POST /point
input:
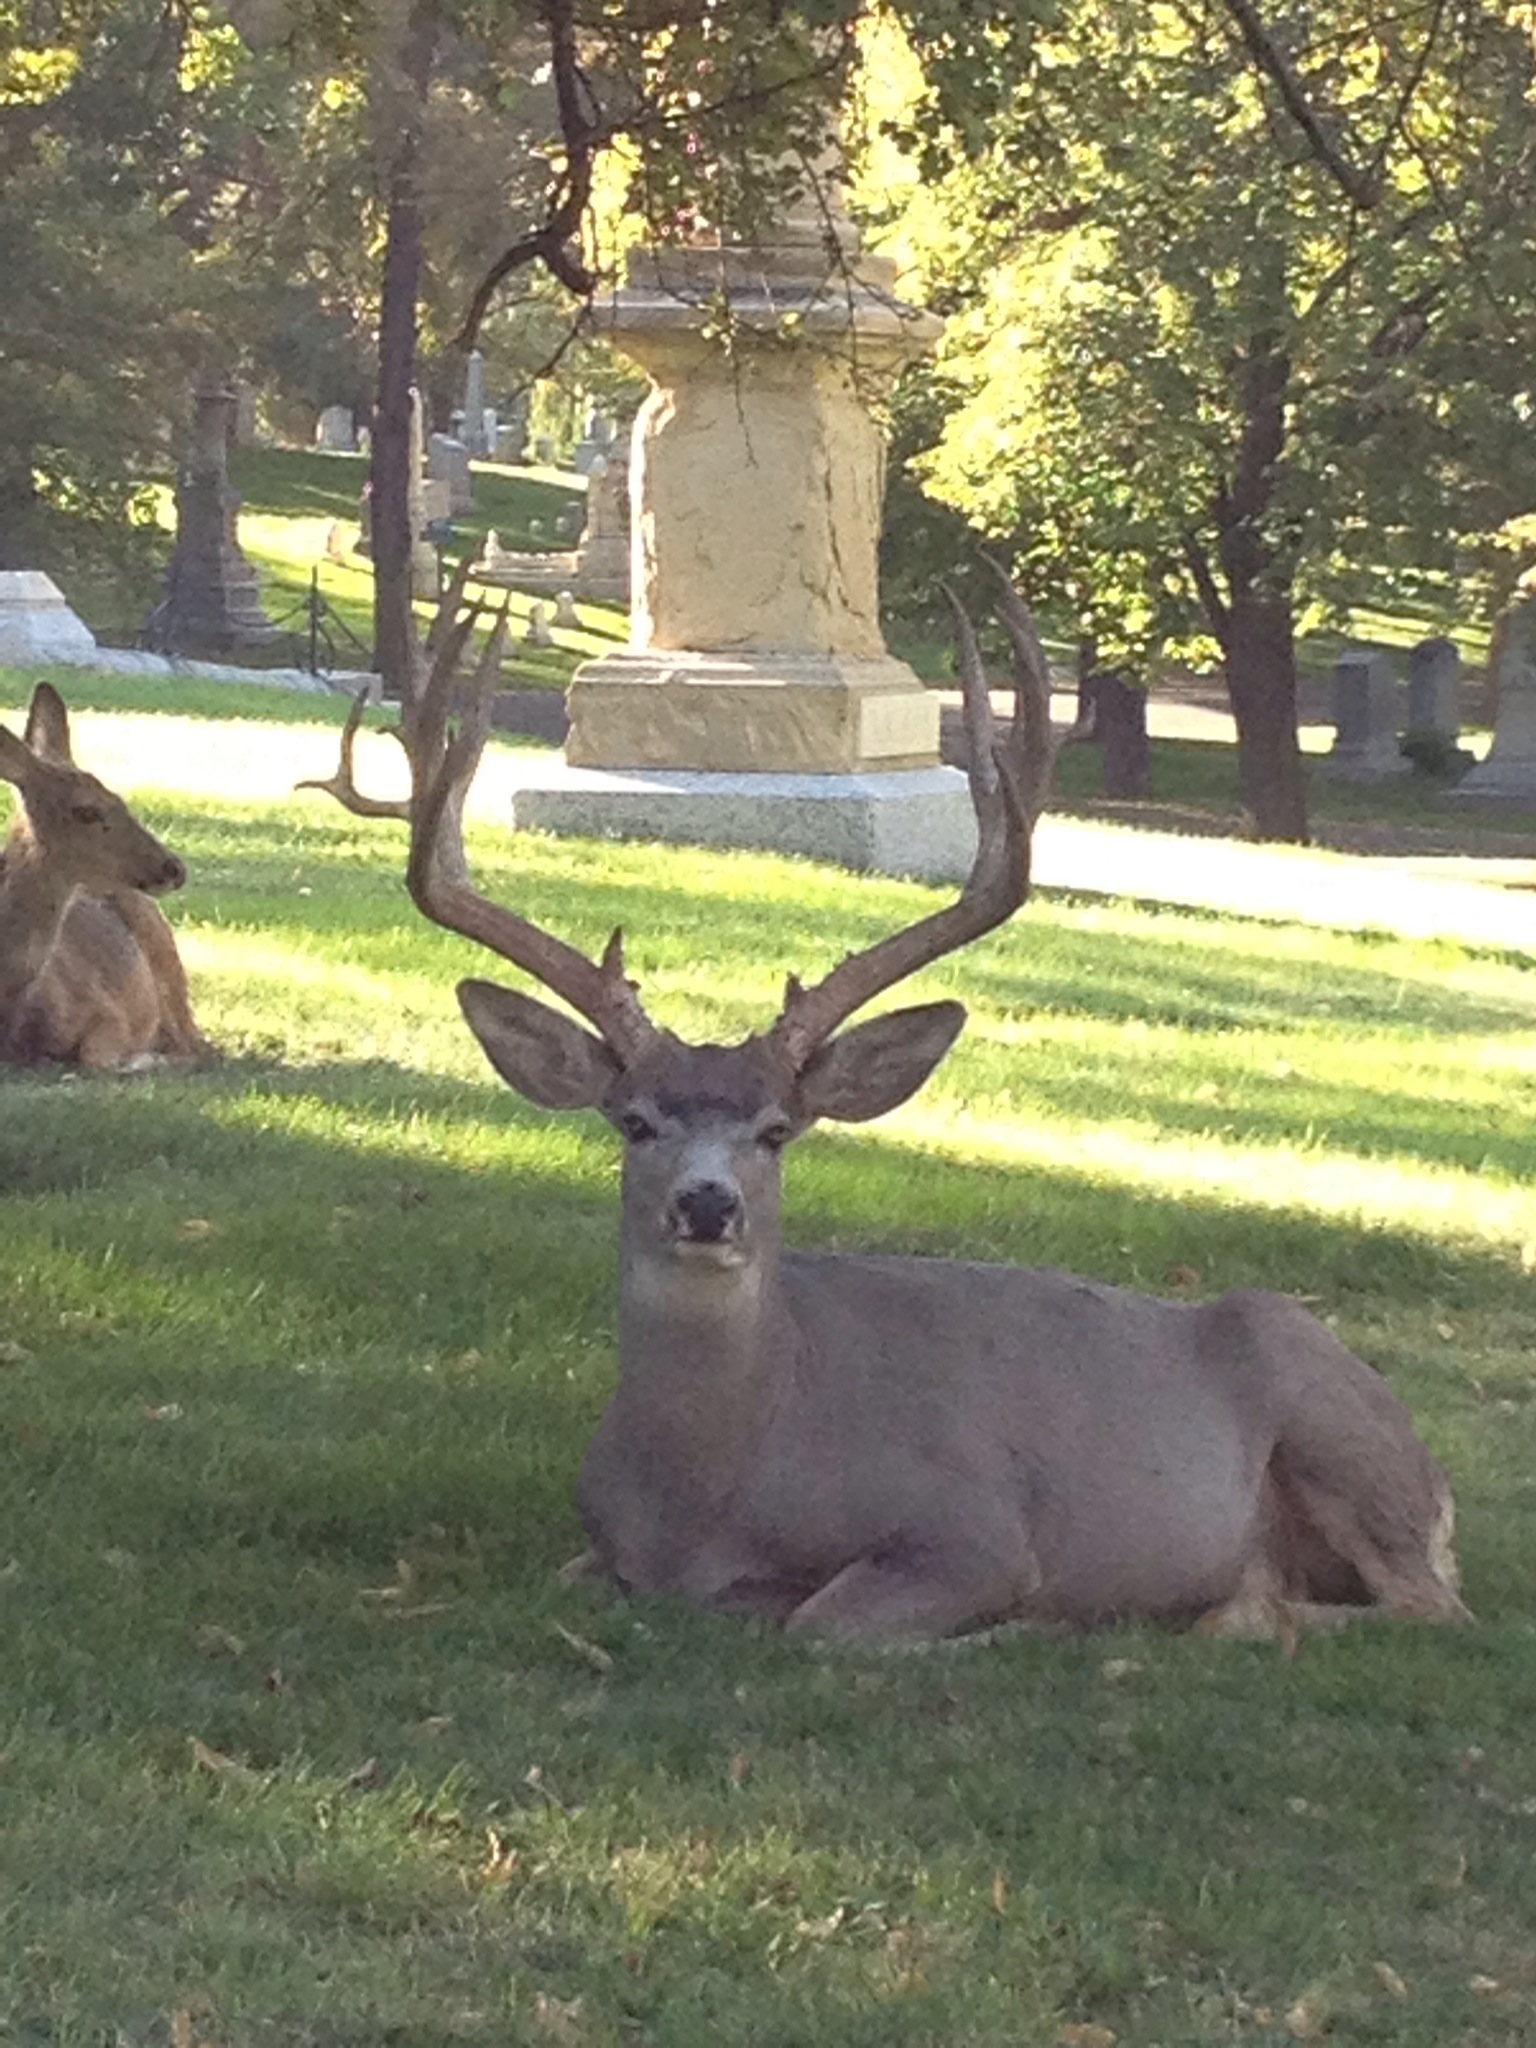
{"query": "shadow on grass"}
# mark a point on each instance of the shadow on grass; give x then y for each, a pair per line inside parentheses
(293, 1485)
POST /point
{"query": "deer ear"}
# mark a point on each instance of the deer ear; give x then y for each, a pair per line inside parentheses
(866, 1071)
(536, 1050)
(48, 726)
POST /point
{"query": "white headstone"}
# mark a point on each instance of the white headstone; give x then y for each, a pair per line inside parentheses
(566, 613)
(36, 624)
(473, 429)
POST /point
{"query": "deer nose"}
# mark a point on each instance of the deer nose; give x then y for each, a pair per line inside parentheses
(172, 875)
(706, 1212)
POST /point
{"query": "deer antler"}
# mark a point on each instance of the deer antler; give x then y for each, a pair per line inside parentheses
(444, 740)
(1009, 777)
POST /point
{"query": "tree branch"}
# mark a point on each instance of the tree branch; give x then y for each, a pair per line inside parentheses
(1356, 186)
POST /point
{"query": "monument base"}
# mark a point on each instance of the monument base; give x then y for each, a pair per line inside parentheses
(36, 624)
(917, 822)
(1511, 780)
(1508, 774)
(1381, 761)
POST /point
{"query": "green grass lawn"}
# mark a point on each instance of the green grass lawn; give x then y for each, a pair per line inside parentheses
(301, 1741)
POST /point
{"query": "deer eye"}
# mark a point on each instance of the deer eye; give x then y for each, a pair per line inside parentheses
(775, 1136)
(637, 1128)
(89, 814)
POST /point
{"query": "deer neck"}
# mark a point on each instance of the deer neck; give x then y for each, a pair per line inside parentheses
(33, 902)
(703, 1355)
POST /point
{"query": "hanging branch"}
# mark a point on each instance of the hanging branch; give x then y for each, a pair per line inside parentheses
(1360, 189)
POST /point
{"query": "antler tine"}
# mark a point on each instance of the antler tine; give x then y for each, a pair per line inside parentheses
(999, 878)
(438, 877)
(343, 784)
(1029, 751)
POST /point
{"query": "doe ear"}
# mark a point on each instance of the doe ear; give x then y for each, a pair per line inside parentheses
(536, 1050)
(48, 726)
(15, 757)
(867, 1070)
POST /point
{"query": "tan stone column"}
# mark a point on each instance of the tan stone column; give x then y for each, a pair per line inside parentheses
(757, 482)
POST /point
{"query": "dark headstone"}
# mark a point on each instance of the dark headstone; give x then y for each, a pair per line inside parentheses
(212, 604)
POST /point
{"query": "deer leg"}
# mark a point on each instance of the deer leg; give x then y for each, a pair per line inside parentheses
(1390, 1531)
(178, 1036)
(918, 1595)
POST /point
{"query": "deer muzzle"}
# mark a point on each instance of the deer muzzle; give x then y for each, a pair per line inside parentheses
(708, 1212)
(165, 878)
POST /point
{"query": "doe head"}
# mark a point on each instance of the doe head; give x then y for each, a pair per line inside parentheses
(69, 820)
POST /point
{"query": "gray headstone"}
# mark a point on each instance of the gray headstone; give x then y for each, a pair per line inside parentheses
(544, 448)
(538, 633)
(448, 462)
(334, 428)
(566, 613)
(1434, 688)
(212, 603)
(1365, 718)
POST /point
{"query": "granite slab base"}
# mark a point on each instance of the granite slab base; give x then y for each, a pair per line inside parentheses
(915, 822)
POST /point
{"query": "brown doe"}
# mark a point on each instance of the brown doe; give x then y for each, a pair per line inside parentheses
(908, 1447)
(89, 971)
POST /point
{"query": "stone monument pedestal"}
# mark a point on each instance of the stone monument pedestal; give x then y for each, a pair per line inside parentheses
(756, 705)
(1508, 774)
(36, 623)
(774, 714)
(918, 823)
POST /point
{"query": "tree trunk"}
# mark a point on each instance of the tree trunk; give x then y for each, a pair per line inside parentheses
(394, 625)
(1261, 682)
(1253, 623)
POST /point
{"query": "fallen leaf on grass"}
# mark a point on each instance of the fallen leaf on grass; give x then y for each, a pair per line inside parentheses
(1454, 1876)
(436, 1724)
(501, 1860)
(741, 1768)
(274, 1681)
(1389, 1980)
(558, 2019)
(185, 2031)
(216, 1761)
(999, 1891)
(162, 1411)
(1183, 1276)
(590, 1653)
(196, 1230)
(1115, 1668)
(1086, 2036)
(1484, 1987)
(120, 1560)
(366, 1778)
(1307, 2020)
(214, 1641)
(12, 1353)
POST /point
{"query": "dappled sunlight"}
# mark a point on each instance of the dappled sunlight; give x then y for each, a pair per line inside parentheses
(1400, 1193)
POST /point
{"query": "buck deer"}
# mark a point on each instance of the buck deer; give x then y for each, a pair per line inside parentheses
(89, 971)
(908, 1447)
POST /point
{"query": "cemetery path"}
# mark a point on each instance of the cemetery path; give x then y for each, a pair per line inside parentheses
(1472, 896)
